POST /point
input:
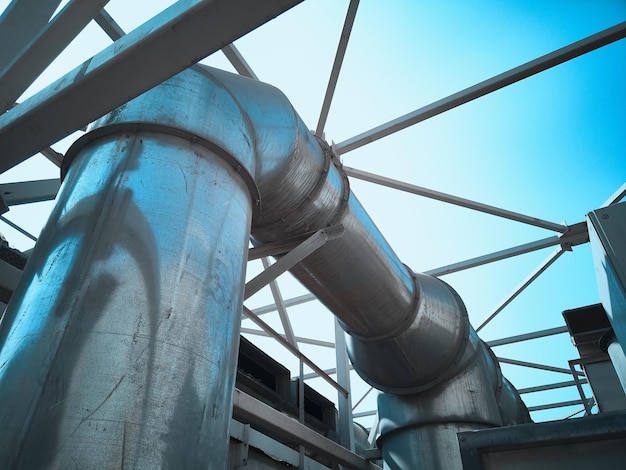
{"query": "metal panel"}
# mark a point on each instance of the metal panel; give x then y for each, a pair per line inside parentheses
(607, 232)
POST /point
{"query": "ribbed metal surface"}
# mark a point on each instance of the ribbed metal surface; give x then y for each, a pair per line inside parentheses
(120, 346)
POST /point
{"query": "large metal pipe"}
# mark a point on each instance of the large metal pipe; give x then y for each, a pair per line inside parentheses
(215, 139)
(120, 344)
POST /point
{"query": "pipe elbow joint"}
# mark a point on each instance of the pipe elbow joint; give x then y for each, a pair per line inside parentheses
(433, 347)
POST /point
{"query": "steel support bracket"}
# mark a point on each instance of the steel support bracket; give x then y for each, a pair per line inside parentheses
(293, 257)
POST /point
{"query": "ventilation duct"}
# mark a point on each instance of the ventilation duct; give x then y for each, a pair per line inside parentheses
(128, 314)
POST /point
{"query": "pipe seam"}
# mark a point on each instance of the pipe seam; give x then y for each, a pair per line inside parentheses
(135, 127)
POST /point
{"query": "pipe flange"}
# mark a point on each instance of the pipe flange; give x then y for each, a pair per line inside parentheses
(345, 182)
(136, 127)
(402, 326)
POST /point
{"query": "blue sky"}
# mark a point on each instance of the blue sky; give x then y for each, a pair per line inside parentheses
(552, 146)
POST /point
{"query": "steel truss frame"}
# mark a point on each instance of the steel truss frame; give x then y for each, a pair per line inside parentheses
(178, 38)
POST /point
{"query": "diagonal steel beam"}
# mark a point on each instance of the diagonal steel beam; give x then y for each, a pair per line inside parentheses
(109, 25)
(170, 42)
(24, 69)
(334, 74)
(20, 23)
(488, 86)
(301, 299)
(455, 200)
(236, 59)
(534, 275)
(18, 228)
(616, 197)
(552, 386)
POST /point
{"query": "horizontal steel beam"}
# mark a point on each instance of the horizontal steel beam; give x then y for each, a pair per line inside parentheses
(170, 42)
(495, 256)
(269, 447)
(334, 74)
(276, 423)
(52, 155)
(534, 365)
(271, 249)
(488, 86)
(299, 339)
(527, 336)
(552, 386)
(301, 299)
(28, 192)
(561, 404)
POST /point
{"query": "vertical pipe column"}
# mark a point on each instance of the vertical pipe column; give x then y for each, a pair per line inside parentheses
(119, 346)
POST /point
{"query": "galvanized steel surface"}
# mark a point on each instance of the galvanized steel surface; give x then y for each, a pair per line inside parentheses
(120, 346)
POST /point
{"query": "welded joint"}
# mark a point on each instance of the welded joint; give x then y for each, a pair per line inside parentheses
(274, 334)
(241, 448)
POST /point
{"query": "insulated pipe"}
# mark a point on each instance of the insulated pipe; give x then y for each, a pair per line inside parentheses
(120, 344)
